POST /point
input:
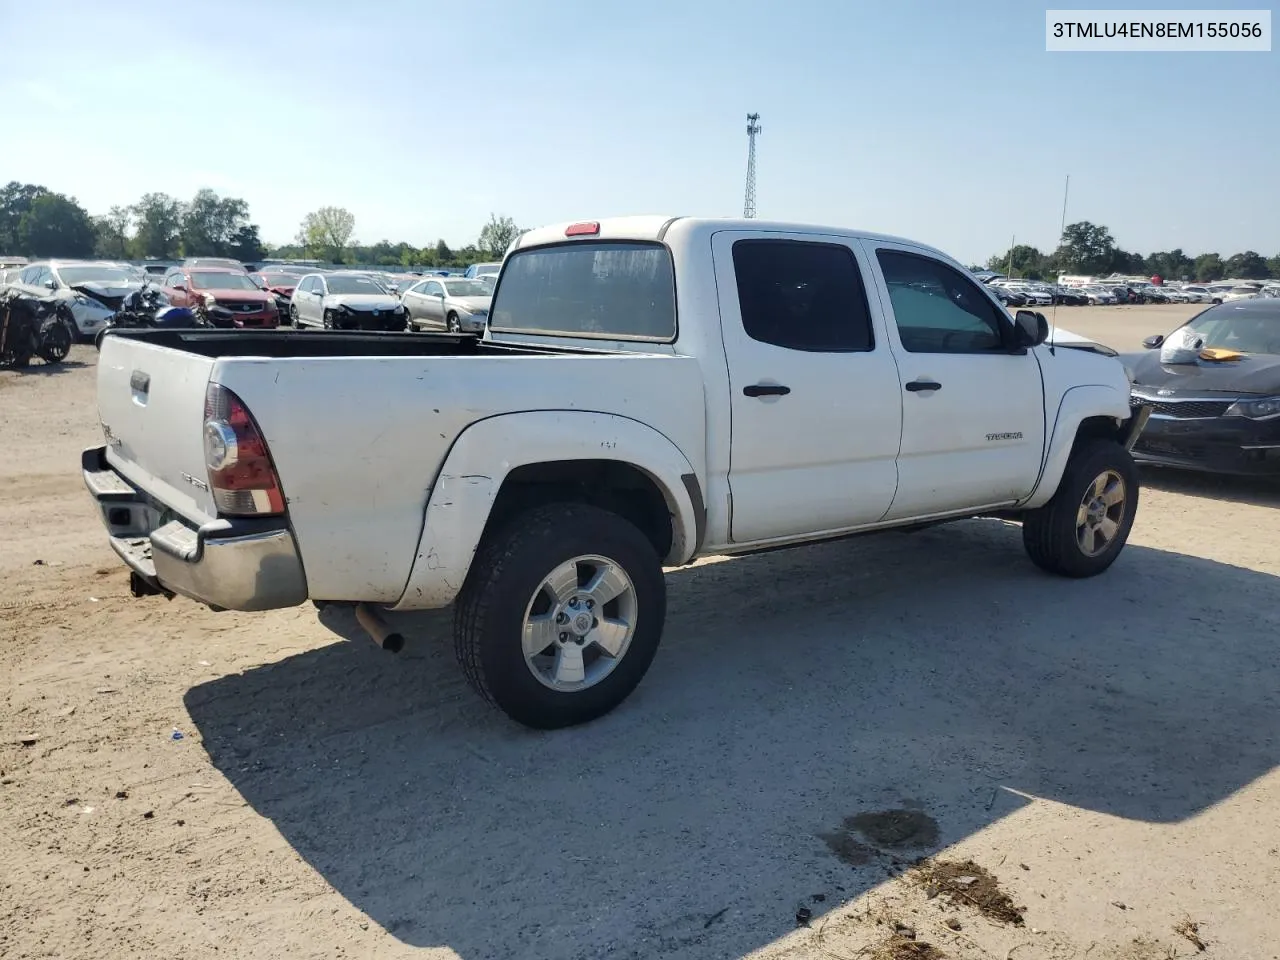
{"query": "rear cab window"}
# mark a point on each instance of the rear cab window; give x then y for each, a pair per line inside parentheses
(597, 289)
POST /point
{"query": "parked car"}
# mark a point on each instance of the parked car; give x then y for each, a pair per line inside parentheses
(202, 288)
(452, 303)
(279, 285)
(1219, 415)
(483, 270)
(538, 479)
(1008, 297)
(1240, 293)
(1100, 295)
(345, 301)
(93, 290)
(222, 263)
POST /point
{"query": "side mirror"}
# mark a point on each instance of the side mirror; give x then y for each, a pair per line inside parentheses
(1152, 342)
(51, 284)
(1031, 328)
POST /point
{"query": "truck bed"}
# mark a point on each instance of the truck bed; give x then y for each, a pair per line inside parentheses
(285, 342)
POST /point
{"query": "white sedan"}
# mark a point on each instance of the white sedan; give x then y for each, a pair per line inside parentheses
(345, 301)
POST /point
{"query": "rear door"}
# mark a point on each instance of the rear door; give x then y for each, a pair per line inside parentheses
(972, 409)
(151, 406)
(814, 395)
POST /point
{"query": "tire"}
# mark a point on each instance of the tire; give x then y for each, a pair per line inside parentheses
(294, 319)
(97, 338)
(55, 341)
(327, 323)
(451, 323)
(1053, 535)
(507, 576)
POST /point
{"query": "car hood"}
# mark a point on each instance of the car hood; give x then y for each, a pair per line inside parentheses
(1254, 373)
(362, 301)
(108, 294)
(281, 289)
(472, 304)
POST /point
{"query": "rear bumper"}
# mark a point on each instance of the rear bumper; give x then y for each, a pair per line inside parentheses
(226, 564)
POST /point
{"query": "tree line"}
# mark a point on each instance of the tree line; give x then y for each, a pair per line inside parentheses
(36, 222)
(1088, 248)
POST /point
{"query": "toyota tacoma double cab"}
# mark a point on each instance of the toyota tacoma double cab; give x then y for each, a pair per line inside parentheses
(647, 390)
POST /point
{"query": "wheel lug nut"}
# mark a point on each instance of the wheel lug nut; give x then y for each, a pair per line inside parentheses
(564, 637)
(590, 604)
(561, 618)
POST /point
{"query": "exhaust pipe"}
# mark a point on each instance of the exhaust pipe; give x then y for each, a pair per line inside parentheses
(379, 630)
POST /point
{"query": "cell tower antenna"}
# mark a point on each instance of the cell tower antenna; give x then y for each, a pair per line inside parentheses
(753, 128)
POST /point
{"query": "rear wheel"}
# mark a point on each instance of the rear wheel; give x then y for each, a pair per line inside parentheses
(561, 615)
(1083, 528)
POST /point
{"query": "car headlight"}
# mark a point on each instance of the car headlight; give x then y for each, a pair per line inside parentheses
(210, 300)
(399, 308)
(344, 308)
(1264, 409)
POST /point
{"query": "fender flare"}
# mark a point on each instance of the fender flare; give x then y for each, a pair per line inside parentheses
(467, 486)
(1077, 405)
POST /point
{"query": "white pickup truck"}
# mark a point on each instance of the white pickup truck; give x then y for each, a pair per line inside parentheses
(649, 390)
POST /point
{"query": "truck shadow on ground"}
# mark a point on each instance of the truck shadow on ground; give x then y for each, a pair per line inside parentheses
(793, 690)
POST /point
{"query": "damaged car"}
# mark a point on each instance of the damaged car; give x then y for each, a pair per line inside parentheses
(93, 291)
(1214, 388)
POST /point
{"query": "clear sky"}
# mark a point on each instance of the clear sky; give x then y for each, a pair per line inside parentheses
(945, 122)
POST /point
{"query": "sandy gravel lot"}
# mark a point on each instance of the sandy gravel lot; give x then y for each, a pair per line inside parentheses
(815, 721)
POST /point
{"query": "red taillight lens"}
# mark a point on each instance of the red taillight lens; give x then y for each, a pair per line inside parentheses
(241, 475)
(589, 229)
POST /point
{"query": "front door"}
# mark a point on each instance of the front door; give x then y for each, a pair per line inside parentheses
(814, 395)
(972, 408)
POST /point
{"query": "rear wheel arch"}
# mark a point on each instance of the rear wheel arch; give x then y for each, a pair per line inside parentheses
(514, 463)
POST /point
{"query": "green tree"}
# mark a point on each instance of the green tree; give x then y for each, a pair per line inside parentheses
(15, 200)
(211, 225)
(497, 235)
(1209, 267)
(56, 226)
(112, 230)
(245, 244)
(1172, 265)
(1124, 262)
(159, 226)
(327, 232)
(1021, 261)
(444, 256)
(1246, 266)
(1085, 248)
(1273, 267)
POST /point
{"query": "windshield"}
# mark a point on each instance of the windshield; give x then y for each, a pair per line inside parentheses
(209, 280)
(466, 288)
(623, 291)
(1232, 327)
(351, 284)
(74, 275)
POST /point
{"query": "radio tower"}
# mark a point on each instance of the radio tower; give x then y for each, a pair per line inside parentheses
(753, 127)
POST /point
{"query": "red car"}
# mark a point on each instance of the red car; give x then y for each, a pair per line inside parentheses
(202, 287)
(279, 285)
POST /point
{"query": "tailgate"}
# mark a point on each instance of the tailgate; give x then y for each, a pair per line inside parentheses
(151, 405)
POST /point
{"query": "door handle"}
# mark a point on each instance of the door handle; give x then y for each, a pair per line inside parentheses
(765, 390)
(915, 386)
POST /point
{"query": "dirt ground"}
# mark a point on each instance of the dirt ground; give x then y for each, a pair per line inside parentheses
(1095, 759)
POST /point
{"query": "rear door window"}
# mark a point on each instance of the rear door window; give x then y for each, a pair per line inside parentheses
(597, 289)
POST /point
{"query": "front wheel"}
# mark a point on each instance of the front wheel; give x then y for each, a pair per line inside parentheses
(294, 319)
(561, 615)
(453, 324)
(1083, 528)
(55, 341)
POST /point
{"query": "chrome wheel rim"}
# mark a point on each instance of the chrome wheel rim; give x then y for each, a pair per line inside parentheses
(1100, 513)
(579, 623)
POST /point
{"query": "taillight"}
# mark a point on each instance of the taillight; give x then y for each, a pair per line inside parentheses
(241, 475)
(589, 228)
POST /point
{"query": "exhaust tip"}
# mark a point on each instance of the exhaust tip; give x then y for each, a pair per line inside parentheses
(393, 643)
